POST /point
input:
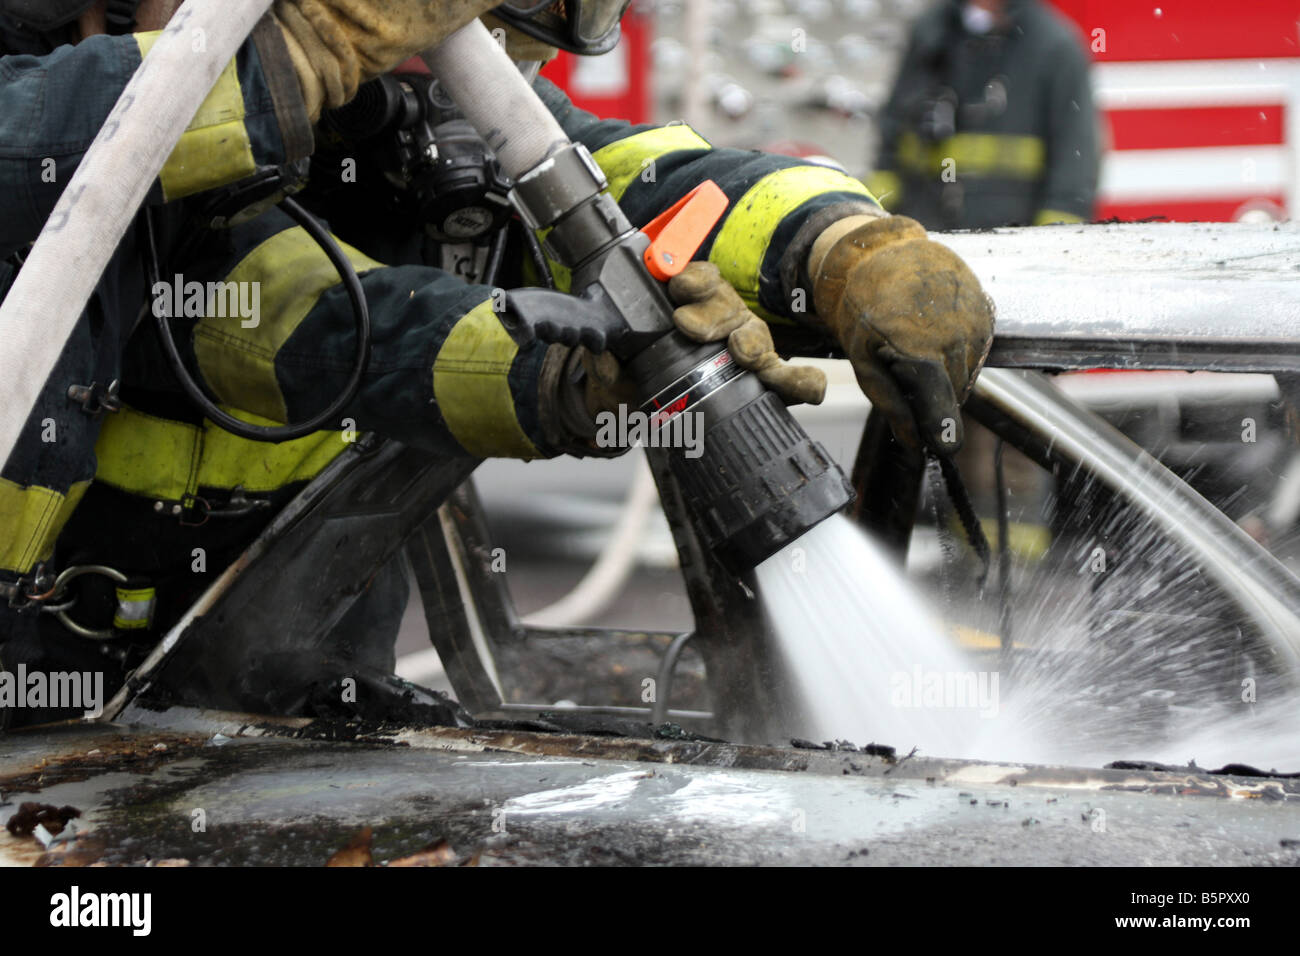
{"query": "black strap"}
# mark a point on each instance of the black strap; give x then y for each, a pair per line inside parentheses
(121, 16)
(44, 15)
(36, 27)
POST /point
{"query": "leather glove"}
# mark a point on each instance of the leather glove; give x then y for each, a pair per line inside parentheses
(910, 316)
(710, 310)
(606, 385)
(336, 45)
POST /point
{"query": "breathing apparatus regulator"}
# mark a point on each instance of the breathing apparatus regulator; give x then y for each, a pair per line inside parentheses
(414, 134)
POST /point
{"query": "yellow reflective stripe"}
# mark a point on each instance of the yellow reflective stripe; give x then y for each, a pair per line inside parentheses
(1047, 217)
(472, 389)
(229, 461)
(215, 148)
(31, 518)
(134, 608)
(912, 154)
(153, 457)
(170, 461)
(975, 154)
(626, 159)
(290, 273)
(987, 154)
(747, 231)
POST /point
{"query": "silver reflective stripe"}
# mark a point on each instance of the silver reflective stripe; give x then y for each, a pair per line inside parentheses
(134, 608)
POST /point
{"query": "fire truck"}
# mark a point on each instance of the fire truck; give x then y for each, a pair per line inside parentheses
(1201, 104)
(615, 85)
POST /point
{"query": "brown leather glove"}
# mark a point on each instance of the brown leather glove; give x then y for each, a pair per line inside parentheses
(607, 386)
(710, 310)
(336, 45)
(910, 316)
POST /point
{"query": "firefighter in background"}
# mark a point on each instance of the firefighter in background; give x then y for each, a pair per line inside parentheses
(139, 481)
(991, 120)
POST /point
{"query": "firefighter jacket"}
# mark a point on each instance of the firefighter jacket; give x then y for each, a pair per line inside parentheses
(990, 129)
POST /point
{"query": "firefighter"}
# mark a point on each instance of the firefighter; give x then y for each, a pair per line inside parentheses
(990, 122)
(137, 481)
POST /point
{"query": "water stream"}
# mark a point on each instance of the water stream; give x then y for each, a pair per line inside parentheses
(868, 660)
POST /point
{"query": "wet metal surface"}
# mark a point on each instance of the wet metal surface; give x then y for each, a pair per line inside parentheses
(224, 789)
(1142, 295)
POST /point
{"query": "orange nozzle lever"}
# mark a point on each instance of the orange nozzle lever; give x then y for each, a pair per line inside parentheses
(677, 232)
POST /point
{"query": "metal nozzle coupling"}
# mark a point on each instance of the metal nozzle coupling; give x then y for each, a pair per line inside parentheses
(760, 481)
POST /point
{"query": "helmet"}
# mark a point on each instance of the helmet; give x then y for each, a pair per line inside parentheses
(587, 27)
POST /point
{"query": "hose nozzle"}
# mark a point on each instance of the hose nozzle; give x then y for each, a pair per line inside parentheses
(758, 481)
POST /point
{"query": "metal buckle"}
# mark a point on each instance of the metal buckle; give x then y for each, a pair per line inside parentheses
(60, 610)
(29, 592)
(95, 399)
(237, 506)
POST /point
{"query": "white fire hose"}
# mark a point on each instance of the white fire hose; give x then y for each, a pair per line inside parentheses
(101, 200)
(490, 91)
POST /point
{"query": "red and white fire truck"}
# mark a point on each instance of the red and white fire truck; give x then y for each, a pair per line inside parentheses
(1201, 100)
